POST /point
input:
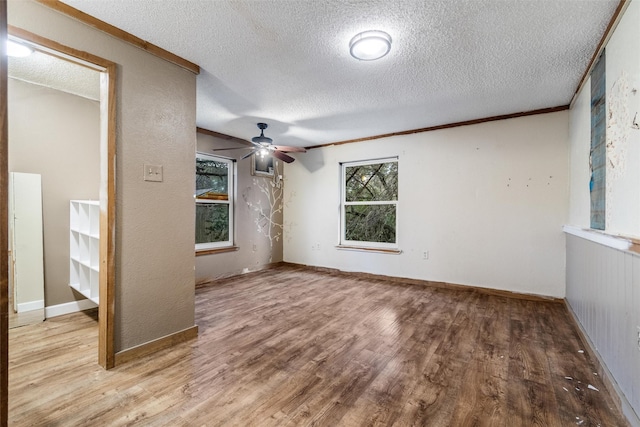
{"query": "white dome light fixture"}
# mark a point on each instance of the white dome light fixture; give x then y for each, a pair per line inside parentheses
(18, 50)
(370, 45)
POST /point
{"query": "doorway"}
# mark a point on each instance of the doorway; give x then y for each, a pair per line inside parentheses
(105, 263)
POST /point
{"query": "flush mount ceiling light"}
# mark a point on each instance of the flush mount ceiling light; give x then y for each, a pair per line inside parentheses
(370, 45)
(18, 50)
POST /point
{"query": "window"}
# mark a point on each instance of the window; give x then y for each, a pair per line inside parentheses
(214, 202)
(369, 203)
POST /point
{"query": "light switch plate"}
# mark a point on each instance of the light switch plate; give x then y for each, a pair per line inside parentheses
(153, 173)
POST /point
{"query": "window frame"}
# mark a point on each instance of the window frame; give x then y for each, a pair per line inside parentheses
(231, 177)
(343, 242)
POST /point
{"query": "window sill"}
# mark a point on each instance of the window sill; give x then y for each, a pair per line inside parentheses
(615, 242)
(368, 249)
(200, 252)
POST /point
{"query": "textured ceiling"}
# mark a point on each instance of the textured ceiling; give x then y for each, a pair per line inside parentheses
(46, 70)
(287, 62)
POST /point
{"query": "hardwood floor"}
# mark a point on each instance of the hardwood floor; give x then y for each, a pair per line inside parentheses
(290, 346)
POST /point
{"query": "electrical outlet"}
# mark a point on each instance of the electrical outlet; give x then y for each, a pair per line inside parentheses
(425, 255)
(639, 338)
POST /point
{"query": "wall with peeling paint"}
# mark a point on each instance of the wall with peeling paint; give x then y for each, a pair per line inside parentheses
(603, 283)
(623, 135)
(487, 202)
(623, 140)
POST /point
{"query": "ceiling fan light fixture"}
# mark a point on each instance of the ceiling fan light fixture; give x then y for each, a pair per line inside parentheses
(370, 45)
(261, 139)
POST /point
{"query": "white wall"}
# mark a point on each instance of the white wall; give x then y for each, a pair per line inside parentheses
(603, 283)
(580, 146)
(156, 103)
(487, 201)
(256, 247)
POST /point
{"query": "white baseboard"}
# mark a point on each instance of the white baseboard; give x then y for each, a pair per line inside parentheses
(69, 307)
(31, 305)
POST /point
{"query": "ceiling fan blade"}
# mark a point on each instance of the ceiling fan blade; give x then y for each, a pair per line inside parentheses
(288, 148)
(282, 156)
(249, 154)
(232, 148)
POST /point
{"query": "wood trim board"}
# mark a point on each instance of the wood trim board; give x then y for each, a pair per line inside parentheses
(120, 34)
(106, 308)
(156, 345)
(4, 224)
(613, 23)
(447, 126)
(222, 136)
(420, 282)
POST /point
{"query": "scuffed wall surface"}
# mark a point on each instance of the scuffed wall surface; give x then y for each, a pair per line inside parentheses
(259, 223)
(486, 201)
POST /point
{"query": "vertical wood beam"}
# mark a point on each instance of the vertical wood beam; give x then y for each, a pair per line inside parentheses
(4, 223)
(106, 308)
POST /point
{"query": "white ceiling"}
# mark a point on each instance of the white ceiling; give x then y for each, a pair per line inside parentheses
(47, 70)
(287, 62)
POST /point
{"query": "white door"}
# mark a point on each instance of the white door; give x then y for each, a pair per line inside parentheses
(25, 241)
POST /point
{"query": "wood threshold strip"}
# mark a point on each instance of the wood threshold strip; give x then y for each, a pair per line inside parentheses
(120, 34)
(613, 23)
(156, 345)
(429, 283)
(222, 136)
(448, 126)
(216, 250)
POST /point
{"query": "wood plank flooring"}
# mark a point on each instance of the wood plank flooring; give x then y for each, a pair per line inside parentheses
(295, 347)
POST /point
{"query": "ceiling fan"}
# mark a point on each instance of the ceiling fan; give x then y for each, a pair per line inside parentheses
(263, 146)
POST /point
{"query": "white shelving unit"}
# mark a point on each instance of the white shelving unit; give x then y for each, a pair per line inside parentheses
(84, 247)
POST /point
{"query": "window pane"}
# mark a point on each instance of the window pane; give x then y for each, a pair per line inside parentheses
(375, 182)
(370, 223)
(212, 222)
(212, 179)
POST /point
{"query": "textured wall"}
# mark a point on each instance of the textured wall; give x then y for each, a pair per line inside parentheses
(255, 247)
(154, 221)
(487, 201)
(56, 135)
(603, 289)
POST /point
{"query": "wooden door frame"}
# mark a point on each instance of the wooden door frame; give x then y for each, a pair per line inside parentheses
(107, 69)
(4, 224)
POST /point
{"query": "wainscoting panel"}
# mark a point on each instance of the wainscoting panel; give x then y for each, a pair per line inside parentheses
(603, 290)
